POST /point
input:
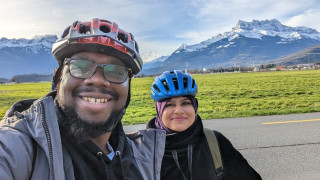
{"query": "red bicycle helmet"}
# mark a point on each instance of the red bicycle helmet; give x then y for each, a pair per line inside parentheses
(102, 36)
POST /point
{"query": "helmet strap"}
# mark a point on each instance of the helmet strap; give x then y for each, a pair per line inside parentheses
(56, 77)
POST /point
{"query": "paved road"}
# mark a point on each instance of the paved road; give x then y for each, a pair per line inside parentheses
(286, 151)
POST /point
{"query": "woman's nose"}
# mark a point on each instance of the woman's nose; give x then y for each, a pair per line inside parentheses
(178, 109)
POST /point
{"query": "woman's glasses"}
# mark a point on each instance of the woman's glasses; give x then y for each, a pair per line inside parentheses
(83, 68)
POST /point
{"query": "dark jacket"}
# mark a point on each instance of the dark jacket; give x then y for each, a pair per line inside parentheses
(202, 165)
(30, 146)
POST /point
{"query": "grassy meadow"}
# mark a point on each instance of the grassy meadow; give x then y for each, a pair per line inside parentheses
(220, 95)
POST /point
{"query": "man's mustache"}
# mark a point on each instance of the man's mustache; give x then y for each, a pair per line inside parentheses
(115, 95)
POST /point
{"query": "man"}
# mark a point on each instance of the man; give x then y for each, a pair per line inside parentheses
(75, 132)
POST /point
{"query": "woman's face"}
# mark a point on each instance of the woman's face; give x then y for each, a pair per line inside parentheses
(178, 114)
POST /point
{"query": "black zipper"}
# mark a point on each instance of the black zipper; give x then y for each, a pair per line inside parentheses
(46, 130)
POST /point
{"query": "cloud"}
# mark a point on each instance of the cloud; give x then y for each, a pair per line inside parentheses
(309, 18)
(155, 49)
(160, 26)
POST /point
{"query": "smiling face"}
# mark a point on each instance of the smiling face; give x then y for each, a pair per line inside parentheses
(178, 114)
(93, 99)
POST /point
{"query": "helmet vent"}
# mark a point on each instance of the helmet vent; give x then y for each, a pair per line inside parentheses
(165, 84)
(105, 29)
(156, 88)
(83, 29)
(185, 83)
(193, 83)
(175, 83)
(122, 37)
(132, 38)
(136, 46)
(65, 32)
(74, 24)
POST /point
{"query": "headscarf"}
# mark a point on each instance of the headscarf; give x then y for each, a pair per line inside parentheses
(160, 105)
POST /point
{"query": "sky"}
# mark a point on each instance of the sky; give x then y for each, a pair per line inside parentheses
(159, 26)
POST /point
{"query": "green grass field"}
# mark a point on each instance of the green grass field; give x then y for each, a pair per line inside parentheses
(219, 95)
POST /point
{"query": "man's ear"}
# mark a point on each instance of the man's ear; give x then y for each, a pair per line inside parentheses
(57, 73)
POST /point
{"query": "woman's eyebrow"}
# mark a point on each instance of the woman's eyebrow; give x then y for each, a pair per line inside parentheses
(185, 99)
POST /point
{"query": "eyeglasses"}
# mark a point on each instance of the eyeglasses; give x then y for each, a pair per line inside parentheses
(83, 68)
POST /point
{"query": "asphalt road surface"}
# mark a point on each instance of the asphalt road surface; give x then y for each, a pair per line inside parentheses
(284, 147)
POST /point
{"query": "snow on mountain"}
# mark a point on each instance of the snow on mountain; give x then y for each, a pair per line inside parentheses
(154, 62)
(257, 29)
(34, 45)
(160, 59)
(26, 56)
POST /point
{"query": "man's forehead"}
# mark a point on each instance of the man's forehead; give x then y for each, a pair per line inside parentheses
(99, 58)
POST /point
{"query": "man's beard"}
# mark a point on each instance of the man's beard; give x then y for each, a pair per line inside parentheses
(82, 131)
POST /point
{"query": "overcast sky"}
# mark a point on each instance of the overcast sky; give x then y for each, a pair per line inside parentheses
(159, 26)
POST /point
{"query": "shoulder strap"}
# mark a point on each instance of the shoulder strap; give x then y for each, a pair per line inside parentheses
(215, 151)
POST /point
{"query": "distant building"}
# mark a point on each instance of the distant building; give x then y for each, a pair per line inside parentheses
(204, 69)
(279, 68)
(256, 69)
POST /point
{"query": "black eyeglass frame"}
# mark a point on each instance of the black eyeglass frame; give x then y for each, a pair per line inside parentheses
(128, 73)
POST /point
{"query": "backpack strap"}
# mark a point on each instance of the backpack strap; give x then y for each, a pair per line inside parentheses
(215, 151)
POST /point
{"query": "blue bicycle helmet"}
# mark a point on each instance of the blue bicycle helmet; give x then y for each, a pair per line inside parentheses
(172, 84)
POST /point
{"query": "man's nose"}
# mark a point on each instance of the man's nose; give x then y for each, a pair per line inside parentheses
(98, 78)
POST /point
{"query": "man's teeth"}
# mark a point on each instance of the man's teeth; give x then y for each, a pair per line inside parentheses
(95, 100)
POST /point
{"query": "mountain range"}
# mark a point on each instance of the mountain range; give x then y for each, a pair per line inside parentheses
(247, 44)
(26, 56)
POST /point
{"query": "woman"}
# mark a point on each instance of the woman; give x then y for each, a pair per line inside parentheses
(187, 153)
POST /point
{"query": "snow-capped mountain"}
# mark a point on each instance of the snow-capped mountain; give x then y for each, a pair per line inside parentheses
(26, 56)
(258, 29)
(35, 45)
(246, 44)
